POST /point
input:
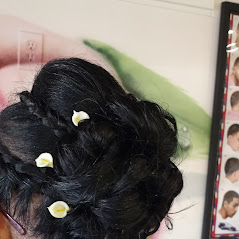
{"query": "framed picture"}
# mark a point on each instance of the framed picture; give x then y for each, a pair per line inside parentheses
(221, 217)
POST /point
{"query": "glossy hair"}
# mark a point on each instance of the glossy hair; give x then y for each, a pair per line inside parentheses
(113, 170)
(231, 166)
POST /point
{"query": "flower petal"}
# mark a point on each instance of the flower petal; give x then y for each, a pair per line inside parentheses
(44, 160)
(59, 209)
(79, 116)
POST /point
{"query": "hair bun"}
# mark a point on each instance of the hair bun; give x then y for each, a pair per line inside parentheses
(114, 170)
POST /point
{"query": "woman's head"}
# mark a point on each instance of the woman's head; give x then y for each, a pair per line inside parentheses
(113, 170)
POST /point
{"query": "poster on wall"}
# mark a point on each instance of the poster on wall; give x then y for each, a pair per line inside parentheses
(28, 43)
(221, 209)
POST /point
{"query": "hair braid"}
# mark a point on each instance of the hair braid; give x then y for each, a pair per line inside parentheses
(48, 116)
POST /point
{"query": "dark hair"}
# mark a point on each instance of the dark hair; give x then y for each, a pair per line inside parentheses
(114, 170)
(234, 98)
(231, 166)
(229, 196)
(233, 129)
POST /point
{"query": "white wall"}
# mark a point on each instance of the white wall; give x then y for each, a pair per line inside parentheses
(178, 42)
(208, 4)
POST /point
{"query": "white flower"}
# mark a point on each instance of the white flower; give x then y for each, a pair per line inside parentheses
(79, 116)
(59, 209)
(44, 160)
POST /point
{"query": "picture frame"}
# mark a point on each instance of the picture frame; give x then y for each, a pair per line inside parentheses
(222, 191)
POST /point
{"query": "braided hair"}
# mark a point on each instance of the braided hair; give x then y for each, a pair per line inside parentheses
(114, 170)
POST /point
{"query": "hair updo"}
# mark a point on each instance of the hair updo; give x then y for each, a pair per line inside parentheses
(114, 170)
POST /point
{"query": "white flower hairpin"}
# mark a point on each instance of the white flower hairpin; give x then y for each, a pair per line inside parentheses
(79, 117)
(59, 209)
(44, 160)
